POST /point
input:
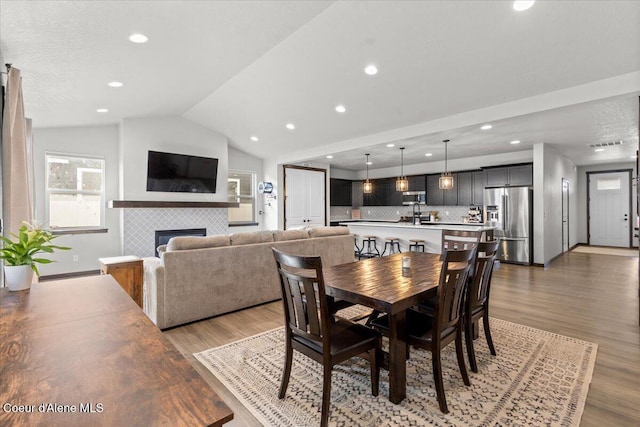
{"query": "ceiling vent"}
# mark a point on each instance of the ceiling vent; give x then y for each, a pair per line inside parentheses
(606, 144)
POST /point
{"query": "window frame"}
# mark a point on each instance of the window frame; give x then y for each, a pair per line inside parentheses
(252, 197)
(101, 228)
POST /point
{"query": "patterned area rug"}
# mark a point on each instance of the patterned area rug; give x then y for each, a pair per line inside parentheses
(538, 378)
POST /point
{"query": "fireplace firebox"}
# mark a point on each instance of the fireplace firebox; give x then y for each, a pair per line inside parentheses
(163, 236)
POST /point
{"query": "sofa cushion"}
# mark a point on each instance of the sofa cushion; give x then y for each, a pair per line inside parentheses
(251, 237)
(282, 235)
(193, 242)
(161, 249)
(328, 231)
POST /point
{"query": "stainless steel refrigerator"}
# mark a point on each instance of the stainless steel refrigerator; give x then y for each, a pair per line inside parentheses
(510, 211)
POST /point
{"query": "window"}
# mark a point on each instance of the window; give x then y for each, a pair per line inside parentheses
(75, 191)
(607, 183)
(240, 187)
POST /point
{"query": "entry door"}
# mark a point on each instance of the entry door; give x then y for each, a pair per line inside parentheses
(305, 197)
(609, 206)
(565, 215)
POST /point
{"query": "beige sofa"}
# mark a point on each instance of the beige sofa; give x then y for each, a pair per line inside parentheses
(200, 277)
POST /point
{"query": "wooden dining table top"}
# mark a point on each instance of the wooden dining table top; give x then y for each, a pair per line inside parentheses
(382, 283)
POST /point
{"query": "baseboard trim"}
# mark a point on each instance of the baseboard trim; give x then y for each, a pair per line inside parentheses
(69, 275)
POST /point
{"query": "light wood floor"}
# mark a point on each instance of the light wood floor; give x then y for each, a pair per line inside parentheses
(592, 297)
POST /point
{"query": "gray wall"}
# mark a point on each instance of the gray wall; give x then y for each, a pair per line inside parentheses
(582, 195)
(549, 168)
(93, 141)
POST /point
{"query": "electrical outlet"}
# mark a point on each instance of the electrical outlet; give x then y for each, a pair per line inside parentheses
(397, 212)
(368, 212)
(446, 213)
(75, 258)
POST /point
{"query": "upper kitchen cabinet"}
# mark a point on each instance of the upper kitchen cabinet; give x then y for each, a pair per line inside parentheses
(417, 182)
(478, 188)
(379, 195)
(435, 196)
(520, 175)
(464, 183)
(340, 192)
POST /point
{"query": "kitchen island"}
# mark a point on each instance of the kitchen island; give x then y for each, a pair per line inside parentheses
(430, 233)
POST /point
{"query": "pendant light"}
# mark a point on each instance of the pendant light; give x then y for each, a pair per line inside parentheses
(402, 184)
(367, 186)
(446, 179)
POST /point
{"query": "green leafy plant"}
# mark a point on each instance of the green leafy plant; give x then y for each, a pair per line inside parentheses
(31, 241)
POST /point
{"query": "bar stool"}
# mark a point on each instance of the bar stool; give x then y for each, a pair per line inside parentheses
(416, 244)
(391, 243)
(369, 241)
(358, 249)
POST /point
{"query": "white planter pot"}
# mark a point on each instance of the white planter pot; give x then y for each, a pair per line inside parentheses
(18, 277)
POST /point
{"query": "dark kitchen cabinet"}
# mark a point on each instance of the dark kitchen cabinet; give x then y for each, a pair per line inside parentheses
(379, 195)
(464, 183)
(340, 192)
(435, 196)
(519, 175)
(478, 188)
(394, 197)
(417, 182)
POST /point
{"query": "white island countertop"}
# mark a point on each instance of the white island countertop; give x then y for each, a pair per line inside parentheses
(430, 226)
(405, 231)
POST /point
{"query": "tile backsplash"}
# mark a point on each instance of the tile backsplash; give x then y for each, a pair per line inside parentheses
(445, 213)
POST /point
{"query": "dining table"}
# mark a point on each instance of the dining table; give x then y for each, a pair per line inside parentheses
(390, 284)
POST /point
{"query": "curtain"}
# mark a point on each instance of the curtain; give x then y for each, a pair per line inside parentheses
(17, 170)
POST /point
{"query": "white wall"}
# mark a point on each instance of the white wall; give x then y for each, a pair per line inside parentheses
(172, 135)
(582, 195)
(245, 162)
(550, 167)
(93, 141)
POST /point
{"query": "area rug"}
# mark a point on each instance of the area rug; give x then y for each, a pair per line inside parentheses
(633, 252)
(538, 378)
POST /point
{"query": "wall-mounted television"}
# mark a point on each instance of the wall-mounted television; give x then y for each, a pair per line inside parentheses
(168, 172)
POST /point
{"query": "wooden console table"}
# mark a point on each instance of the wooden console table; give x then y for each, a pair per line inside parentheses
(84, 350)
(128, 272)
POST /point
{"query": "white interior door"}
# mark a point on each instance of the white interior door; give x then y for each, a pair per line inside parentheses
(609, 203)
(305, 197)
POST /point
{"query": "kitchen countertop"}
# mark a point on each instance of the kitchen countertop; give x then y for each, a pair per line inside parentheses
(427, 226)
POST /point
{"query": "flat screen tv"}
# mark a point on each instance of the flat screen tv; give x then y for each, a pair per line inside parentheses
(168, 172)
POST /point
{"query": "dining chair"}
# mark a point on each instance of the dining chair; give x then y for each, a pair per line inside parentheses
(435, 332)
(477, 298)
(312, 330)
(459, 239)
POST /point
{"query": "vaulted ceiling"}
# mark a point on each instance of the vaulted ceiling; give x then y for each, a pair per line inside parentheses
(562, 73)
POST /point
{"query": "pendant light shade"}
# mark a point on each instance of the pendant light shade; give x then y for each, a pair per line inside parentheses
(367, 186)
(402, 184)
(446, 179)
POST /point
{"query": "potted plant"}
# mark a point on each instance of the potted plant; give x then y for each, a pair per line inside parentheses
(20, 256)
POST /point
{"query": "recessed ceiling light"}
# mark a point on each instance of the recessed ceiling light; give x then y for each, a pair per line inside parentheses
(515, 142)
(341, 109)
(291, 126)
(254, 138)
(371, 70)
(102, 110)
(369, 163)
(428, 154)
(115, 84)
(391, 145)
(521, 5)
(634, 156)
(138, 38)
(486, 127)
(597, 150)
(329, 156)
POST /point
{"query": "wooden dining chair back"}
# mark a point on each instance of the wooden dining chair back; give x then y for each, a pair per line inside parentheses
(311, 329)
(477, 299)
(443, 326)
(459, 239)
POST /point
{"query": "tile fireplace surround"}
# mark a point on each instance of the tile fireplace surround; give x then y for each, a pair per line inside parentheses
(140, 224)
